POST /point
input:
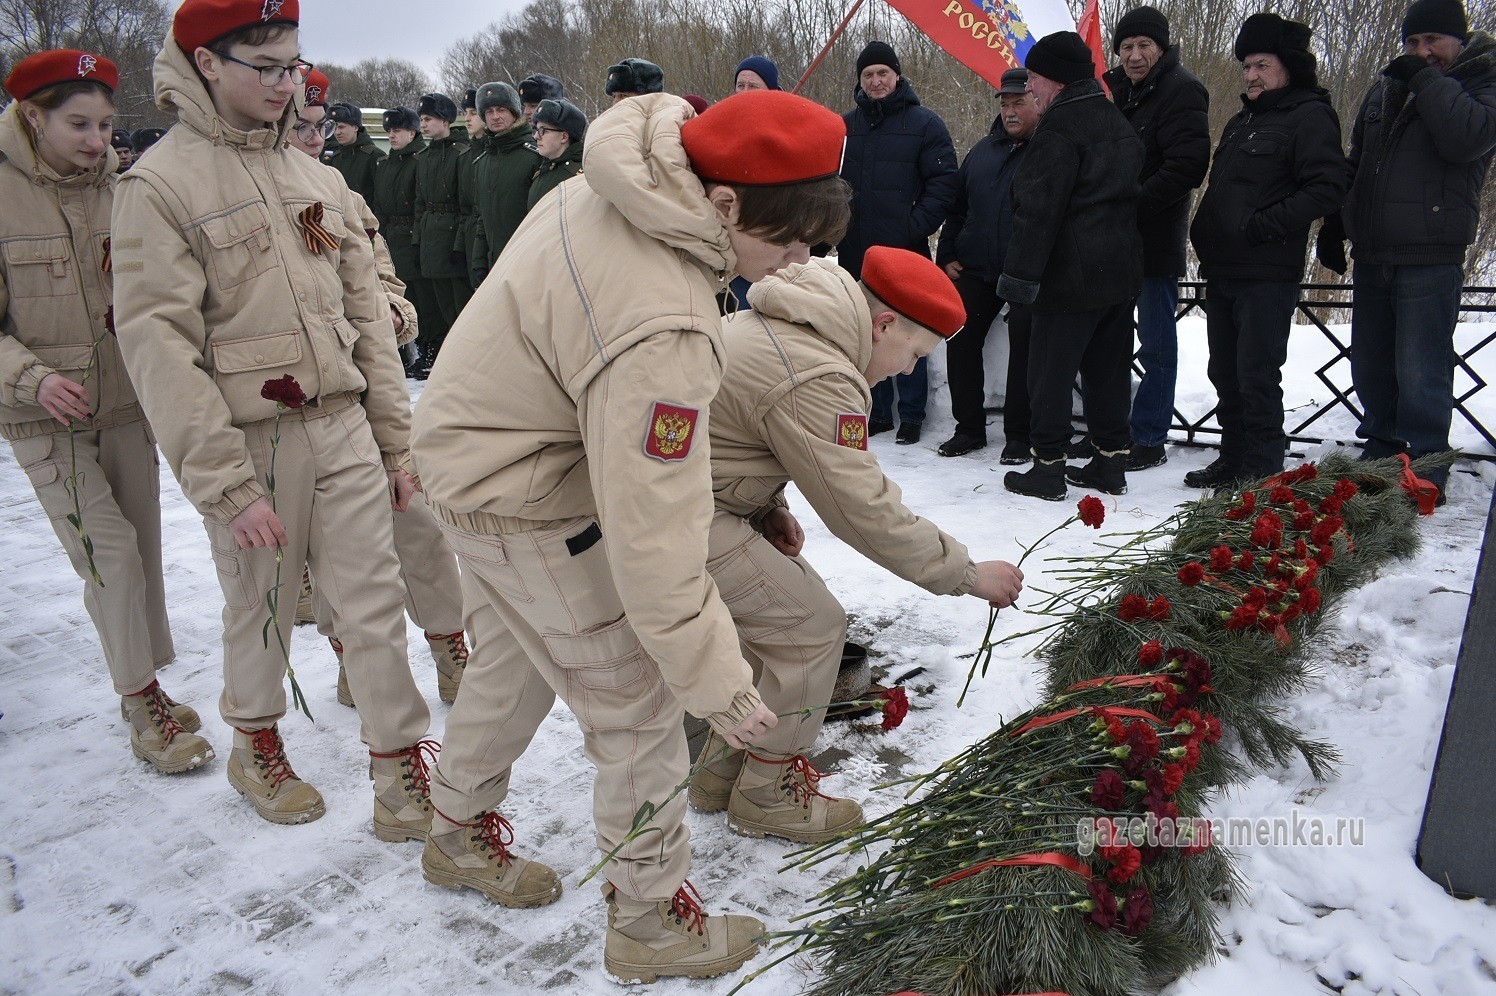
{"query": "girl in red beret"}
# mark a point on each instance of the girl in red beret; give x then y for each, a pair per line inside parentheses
(66, 404)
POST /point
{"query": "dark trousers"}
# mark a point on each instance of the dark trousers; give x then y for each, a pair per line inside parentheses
(1403, 357)
(912, 391)
(1247, 324)
(963, 356)
(433, 304)
(1097, 345)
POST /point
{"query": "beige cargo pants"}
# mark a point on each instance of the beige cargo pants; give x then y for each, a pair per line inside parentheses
(546, 620)
(119, 485)
(790, 626)
(433, 592)
(333, 498)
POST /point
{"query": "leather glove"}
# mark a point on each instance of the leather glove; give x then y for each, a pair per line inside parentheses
(1329, 247)
(1405, 67)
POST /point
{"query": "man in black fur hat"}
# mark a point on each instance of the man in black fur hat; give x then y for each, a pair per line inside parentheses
(1277, 169)
(1420, 148)
(537, 87)
(437, 235)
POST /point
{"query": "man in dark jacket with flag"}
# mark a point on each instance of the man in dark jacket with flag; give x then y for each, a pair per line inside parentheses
(902, 167)
(1076, 257)
(973, 244)
(1169, 107)
(1277, 169)
(1420, 149)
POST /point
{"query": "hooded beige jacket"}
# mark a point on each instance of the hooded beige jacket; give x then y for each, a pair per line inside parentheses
(55, 294)
(217, 292)
(794, 367)
(541, 404)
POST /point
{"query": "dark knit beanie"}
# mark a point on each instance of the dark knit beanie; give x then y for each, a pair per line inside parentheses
(877, 53)
(1062, 57)
(1288, 40)
(763, 66)
(563, 114)
(1145, 21)
(1440, 17)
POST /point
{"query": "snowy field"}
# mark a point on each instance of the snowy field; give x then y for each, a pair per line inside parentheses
(114, 879)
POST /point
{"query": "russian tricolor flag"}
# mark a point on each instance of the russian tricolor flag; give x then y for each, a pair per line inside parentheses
(992, 36)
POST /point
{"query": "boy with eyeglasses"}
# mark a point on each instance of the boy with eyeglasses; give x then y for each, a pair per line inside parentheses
(238, 262)
(559, 126)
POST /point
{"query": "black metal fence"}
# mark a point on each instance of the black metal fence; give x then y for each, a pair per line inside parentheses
(1314, 301)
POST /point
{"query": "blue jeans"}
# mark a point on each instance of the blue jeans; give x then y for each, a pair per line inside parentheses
(1403, 357)
(1158, 352)
(913, 391)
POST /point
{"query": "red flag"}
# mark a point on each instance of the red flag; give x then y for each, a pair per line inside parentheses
(987, 37)
(1089, 29)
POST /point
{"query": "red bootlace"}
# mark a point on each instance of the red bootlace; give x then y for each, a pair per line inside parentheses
(271, 753)
(686, 905)
(496, 833)
(802, 788)
(419, 757)
(160, 707)
(458, 641)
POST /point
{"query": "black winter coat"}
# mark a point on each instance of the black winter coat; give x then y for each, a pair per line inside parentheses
(980, 225)
(1075, 240)
(1419, 163)
(1170, 109)
(902, 167)
(357, 163)
(1278, 168)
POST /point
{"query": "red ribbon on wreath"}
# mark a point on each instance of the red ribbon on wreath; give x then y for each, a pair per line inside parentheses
(1424, 493)
(1054, 858)
(1039, 722)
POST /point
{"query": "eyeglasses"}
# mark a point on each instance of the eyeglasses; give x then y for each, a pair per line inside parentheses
(305, 130)
(271, 75)
(540, 131)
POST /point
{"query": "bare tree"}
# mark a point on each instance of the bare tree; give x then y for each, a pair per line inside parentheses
(378, 82)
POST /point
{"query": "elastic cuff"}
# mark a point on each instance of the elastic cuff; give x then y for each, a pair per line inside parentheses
(1424, 77)
(743, 705)
(968, 580)
(1016, 291)
(398, 461)
(234, 501)
(30, 381)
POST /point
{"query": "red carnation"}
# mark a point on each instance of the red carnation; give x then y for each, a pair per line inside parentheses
(1162, 809)
(1143, 744)
(1126, 860)
(1191, 759)
(1247, 507)
(1169, 691)
(284, 391)
(895, 707)
(1300, 549)
(1213, 728)
(1241, 618)
(1133, 607)
(1255, 598)
(1304, 580)
(1158, 609)
(1309, 601)
(1151, 654)
(1137, 912)
(1109, 791)
(1303, 520)
(1191, 574)
(1267, 532)
(1325, 529)
(1220, 559)
(1091, 511)
(1345, 489)
(1105, 913)
(1115, 731)
(1173, 778)
(1281, 495)
(1325, 555)
(1246, 561)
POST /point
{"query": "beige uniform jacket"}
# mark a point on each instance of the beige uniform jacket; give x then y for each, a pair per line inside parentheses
(793, 381)
(217, 292)
(54, 292)
(543, 404)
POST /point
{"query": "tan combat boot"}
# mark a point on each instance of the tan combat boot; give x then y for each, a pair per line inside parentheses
(304, 613)
(402, 791)
(780, 798)
(711, 785)
(345, 697)
(186, 716)
(450, 652)
(675, 937)
(477, 856)
(157, 736)
(259, 771)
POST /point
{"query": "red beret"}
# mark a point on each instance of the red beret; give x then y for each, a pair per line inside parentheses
(61, 65)
(199, 22)
(318, 86)
(765, 138)
(914, 287)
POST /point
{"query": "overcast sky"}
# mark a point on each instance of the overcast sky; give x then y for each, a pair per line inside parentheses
(345, 31)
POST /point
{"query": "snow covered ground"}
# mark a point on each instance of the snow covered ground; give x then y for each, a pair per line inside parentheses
(114, 879)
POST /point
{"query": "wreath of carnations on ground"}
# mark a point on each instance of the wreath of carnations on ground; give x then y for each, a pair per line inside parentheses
(1067, 852)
